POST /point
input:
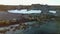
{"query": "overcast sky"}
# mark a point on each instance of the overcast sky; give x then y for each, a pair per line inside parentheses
(29, 2)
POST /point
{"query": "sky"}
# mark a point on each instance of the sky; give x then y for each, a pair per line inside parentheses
(29, 2)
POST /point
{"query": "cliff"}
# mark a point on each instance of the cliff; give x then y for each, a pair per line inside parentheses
(11, 7)
(28, 7)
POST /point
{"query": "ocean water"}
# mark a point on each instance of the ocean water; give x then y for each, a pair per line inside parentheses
(24, 11)
(47, 28)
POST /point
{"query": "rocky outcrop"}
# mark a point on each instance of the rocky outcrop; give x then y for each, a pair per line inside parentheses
(29, 7)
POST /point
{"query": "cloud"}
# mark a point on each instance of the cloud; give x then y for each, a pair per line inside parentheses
(53, 2)
(22, 2)
(9, 2)
(29, 2)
